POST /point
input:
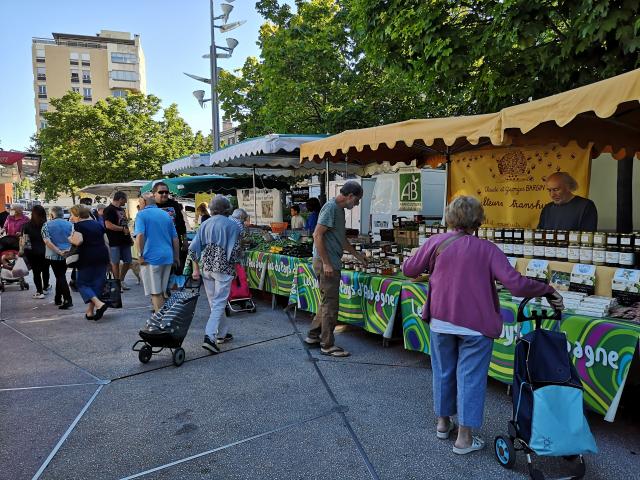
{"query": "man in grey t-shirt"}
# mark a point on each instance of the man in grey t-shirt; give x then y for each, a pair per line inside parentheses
(567, 211)
(329, 241)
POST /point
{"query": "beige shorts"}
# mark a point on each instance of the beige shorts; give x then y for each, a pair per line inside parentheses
(155, 278)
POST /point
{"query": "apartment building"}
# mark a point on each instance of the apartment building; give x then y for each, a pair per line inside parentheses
(108, 64)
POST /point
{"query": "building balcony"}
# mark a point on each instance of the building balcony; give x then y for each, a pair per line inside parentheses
(88, 99)
(41, 76)
(40, 59)
(75, 80)
(86, 80)
(42, 95)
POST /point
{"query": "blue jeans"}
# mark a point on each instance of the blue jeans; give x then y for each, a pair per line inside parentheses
(460, 365)
(90, 281)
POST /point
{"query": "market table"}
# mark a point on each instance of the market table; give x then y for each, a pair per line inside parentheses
(366, 300)
(603, 349)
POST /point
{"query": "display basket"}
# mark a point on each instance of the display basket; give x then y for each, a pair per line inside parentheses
(279, 227)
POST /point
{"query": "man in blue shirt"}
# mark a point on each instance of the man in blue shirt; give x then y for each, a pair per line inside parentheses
(157, 242)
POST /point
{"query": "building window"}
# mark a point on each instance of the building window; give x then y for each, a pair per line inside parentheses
(43, 106)
(86, 76)
(86, 92)
(41, 73)
(86, 60)
(117, 57)
(42, 91)
(43, 123)
(119, 93)
(74, 58)
(75, 76)
(39, 55)
(124, 75)
(75, 89)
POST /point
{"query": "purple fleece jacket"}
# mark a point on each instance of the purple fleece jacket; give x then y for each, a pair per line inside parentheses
(463, 289)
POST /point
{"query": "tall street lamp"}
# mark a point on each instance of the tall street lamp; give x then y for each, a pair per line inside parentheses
(213, 56)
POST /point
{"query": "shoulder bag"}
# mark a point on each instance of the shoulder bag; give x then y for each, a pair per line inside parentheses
(432, 266)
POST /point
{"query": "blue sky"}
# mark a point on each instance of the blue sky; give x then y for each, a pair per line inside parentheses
(174, 36)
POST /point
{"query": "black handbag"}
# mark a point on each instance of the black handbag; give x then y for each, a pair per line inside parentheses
(112, 292)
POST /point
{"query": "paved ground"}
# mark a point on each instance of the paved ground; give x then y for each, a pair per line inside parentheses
(75, 403)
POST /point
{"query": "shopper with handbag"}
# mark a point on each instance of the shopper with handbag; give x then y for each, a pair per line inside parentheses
(56, 233)
(93, 260)
(463, 311)
(33, 248)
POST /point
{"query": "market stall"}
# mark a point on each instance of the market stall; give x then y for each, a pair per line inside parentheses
(504, 159)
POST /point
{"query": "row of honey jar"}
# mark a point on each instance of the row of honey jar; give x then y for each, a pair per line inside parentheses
(598, 248)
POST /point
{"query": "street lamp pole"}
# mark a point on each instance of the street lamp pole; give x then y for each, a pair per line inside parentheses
(215, 116)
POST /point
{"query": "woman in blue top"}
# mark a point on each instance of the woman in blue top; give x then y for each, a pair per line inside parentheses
(313, 207)
(93, 260)
(55, 234)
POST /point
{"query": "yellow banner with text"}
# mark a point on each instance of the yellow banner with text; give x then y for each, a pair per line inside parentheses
(510, 181)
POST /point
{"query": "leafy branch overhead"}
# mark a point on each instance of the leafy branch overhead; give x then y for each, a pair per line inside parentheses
(115, 140)
(326, 65)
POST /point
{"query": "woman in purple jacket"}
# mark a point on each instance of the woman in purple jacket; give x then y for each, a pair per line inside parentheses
(465, 316)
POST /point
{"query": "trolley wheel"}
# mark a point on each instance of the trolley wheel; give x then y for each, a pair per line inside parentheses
(145, 353)
(253, 310)
(385, 343)
(178, 357)
(227, 310)
(26, 286)
(505, 452)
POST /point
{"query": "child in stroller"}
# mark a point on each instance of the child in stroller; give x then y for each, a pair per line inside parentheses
(12, 271)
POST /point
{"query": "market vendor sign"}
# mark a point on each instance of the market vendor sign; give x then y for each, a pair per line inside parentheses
(368, 301)
(510, 182)
(601, 349)
(267, 202)
(255, 264)
(410, 191)
(281, 272)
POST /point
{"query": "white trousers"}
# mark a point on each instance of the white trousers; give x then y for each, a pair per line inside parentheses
(217, 286)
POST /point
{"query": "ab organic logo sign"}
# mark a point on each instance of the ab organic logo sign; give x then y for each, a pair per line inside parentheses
(410, 191)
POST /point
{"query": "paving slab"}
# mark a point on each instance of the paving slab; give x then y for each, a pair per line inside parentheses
(319, 449)
(104, 348)
(24, 363)
(31, 424)
(148, 420)
(391, 410)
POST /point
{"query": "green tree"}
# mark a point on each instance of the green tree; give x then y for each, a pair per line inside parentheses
(115, 140)
(313, 78)
(488, 54)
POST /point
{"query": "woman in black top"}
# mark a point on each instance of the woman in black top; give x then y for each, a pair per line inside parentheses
(93, 261)
(34, 250)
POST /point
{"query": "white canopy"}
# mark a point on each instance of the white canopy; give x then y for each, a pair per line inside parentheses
(108, 189)
(271, 155)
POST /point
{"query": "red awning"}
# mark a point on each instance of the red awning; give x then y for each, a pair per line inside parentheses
(9, 158)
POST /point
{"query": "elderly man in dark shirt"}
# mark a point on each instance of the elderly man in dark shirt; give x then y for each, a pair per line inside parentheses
(567, 211)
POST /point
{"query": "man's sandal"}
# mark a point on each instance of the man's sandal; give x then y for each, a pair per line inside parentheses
(334, 351)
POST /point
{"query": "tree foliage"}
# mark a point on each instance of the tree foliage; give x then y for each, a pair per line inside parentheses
(115, 140)
(313, 78)
(500, 52)
(332, 65)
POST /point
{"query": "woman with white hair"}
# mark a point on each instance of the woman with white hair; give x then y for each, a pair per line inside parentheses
(214, 254)
(240, 216)
(464, 314)
(16, 220)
